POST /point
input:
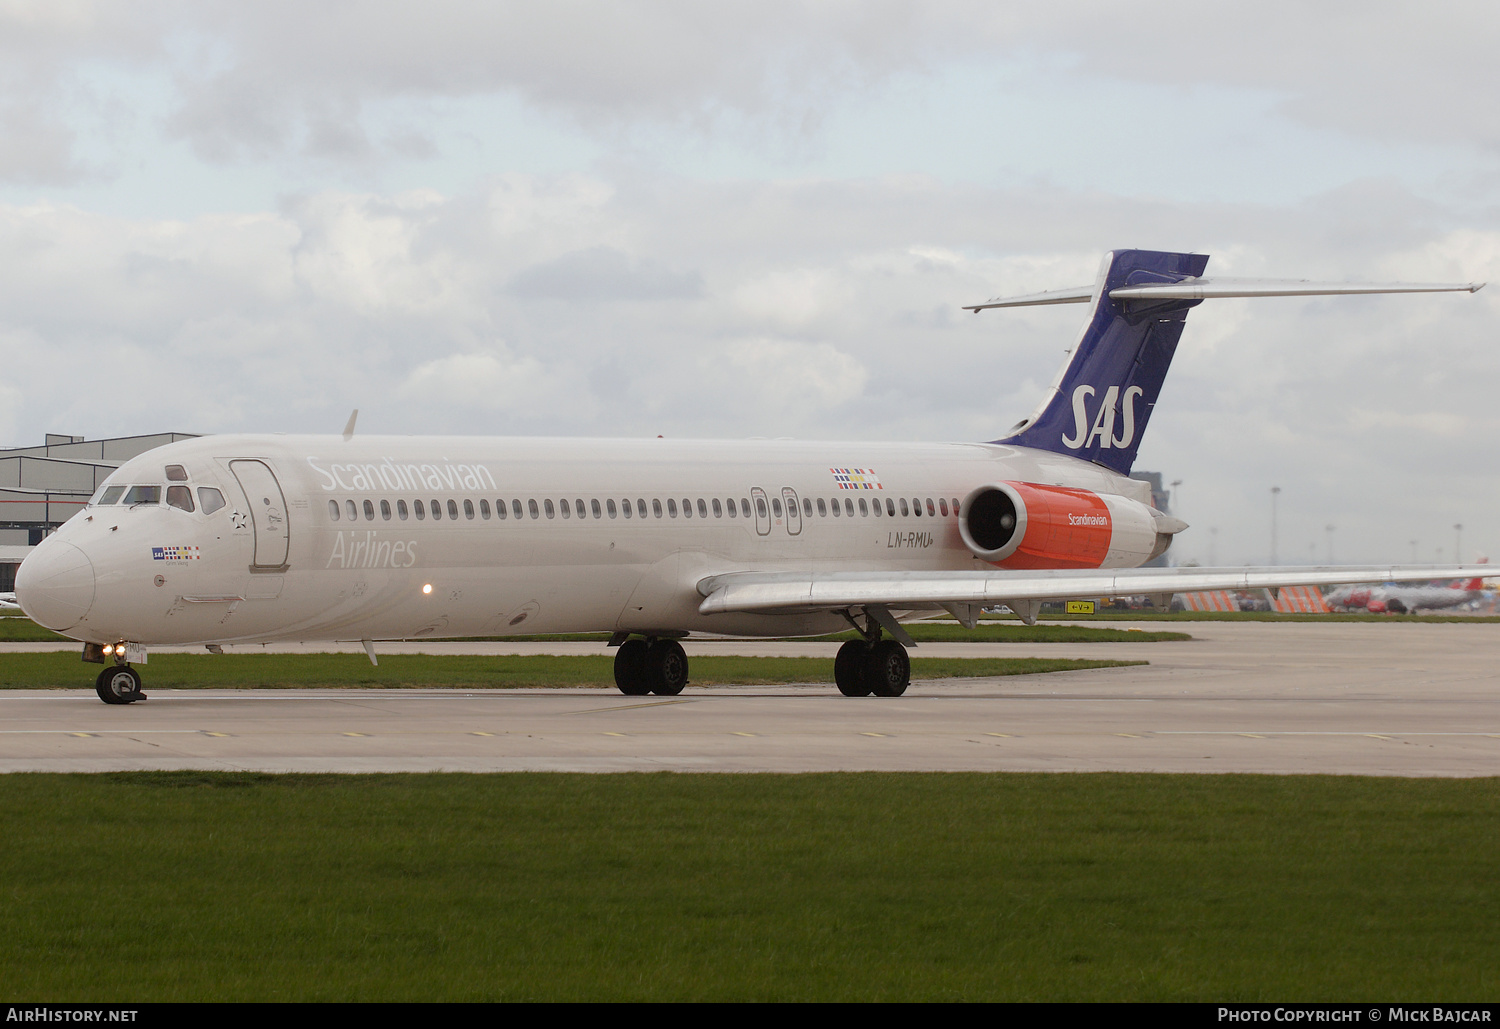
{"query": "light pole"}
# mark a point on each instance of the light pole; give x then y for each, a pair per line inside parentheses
(1172, 506)
(1458, 538)
(1274, 491)
(1330, 543)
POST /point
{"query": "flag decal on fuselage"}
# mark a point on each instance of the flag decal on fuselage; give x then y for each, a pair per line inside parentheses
(855, 478)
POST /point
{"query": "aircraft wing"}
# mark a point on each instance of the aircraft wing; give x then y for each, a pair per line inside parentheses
(787, 592)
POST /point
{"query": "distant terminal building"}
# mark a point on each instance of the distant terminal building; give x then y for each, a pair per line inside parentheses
(42, 487)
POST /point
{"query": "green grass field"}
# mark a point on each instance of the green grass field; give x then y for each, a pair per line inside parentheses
(18, 629)
(202, 886)
(305, 671)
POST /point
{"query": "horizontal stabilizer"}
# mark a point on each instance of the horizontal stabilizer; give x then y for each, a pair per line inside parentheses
(788, 592)
(1219, 287)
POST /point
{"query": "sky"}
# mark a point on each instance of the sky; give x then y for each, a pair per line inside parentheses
(762, 219)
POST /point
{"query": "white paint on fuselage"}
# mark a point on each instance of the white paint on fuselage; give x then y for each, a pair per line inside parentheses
(365, 579)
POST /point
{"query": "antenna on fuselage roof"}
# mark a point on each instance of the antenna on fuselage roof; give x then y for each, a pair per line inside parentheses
(349, 428)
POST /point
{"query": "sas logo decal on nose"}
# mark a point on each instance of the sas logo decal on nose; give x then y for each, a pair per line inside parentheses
(1101, 431)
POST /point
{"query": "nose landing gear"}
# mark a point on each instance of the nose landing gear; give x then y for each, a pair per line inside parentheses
(119, 684)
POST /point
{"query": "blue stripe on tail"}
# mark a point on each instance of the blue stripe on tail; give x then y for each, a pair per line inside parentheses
(1099, 407)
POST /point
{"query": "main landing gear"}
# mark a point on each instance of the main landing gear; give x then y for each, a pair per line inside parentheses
(657, 666)
(119, 684)
(878, 667)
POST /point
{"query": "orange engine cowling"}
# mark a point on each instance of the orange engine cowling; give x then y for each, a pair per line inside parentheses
(1026, 525)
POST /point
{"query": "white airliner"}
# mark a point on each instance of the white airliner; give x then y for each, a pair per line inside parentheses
(241, 539)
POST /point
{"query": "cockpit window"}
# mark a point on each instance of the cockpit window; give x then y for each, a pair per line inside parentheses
(143, 495)
(209, 499)
(180, 497)
(176, 473)
(112, 495)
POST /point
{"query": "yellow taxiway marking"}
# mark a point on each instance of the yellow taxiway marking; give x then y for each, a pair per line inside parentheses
(1252, 735)
(221, 734)
(614, 734)
(1377, 736)
(356, 734)
(742, 734)
(1128, 735)
(82, 735)
(879, 734)
(1002, 735)
(481, 734)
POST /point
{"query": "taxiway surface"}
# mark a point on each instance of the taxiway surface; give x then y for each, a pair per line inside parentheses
(1351, 698)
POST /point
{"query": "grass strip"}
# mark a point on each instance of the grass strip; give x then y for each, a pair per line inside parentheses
(303, 671)
(24, 630)
(857, 887)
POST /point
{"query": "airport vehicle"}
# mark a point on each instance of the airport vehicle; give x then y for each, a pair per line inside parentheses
(239, 538)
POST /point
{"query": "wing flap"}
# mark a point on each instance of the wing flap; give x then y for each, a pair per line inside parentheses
(796, 591)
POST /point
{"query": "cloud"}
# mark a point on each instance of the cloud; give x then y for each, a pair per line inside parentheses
(604, 273)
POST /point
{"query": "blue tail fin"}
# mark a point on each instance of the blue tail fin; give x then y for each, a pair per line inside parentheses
(1098, 408)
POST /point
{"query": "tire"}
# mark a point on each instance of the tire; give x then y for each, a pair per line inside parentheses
(848, 669)
(630, 668)
(666, 668)
(119, 684)
(887, 669)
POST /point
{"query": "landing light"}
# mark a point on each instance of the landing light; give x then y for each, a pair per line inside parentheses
(427, 588)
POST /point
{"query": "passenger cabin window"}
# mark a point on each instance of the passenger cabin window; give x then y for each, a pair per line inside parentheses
(848, 507)
(863, 509)
(369, 511)
(567, 512)
(349, 509)
(143, 495)
(180, 497)
(943, 507)
(437, 510)
(594, 506)
(904, 511)
(468, 510)
(484, 509)
(112, 495)
(875, 506)
(176, 473)
(760, 506)
(211, 500)
(421, 510)
(703, 508)
(655, 506)
(745, 507)
(501, 511)
(453, 511)
(776, 506)
(531, 506)
(385, 510)
(931, 511)
(401, 510)
(671, 507)
(718, 508)
(626, 508)
(822, 508)
(836, 511)
(551, 511)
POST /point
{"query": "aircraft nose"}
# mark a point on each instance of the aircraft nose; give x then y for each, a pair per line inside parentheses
(55, 585)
